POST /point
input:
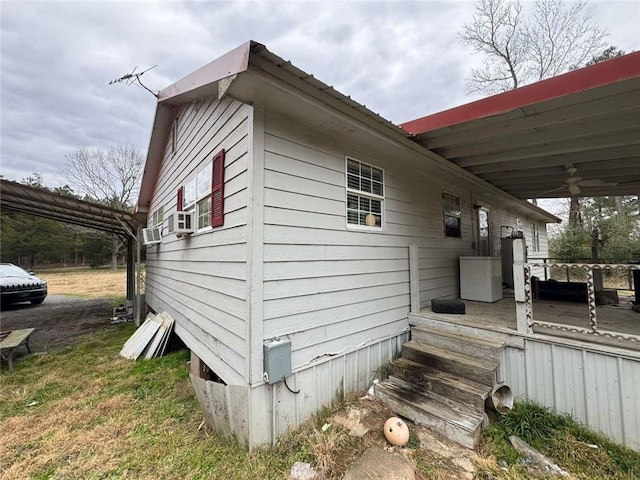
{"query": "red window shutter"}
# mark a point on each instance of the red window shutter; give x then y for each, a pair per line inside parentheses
(217, 190)
(180, 201)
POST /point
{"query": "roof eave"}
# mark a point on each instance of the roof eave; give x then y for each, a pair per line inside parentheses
(203, 83)
(548, 217)
(604, 73)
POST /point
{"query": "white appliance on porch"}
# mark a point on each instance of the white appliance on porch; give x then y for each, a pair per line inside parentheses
(481, 279)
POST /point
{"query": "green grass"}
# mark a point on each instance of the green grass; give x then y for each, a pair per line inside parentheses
(100, 416)
(565, 441)
(94, 415)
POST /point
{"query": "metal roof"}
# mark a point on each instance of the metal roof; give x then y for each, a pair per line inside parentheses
(251, 73)
(578, 133)
(16, 197)
(261, 51)
(209, 81)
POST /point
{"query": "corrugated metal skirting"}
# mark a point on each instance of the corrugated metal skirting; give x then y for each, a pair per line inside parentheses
(598, 389)
(320, 385)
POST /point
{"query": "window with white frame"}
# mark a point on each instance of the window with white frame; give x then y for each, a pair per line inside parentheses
(156, 218)
(535, 238)
(174, 136)
(365, 195)
(197, 197)
(452, 215)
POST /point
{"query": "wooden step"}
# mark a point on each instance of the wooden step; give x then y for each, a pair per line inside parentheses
(479, 369)
(458, 389)
(457, 425)
(471, 345)
(454, 405)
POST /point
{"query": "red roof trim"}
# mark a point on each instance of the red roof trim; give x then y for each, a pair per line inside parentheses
(604, 73)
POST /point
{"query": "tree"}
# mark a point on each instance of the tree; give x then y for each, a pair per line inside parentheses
(575, 207)
(615, 234)
(607, 54)
(110, 178)
(518, 50)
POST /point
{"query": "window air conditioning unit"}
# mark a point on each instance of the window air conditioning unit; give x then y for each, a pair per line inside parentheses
(182, 222)
(151, 236)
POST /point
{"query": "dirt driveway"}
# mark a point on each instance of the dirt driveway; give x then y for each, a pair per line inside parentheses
(58, 321)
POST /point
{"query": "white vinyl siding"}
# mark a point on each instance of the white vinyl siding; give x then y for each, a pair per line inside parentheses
(201, 280)
(502, 222)
(328, 287)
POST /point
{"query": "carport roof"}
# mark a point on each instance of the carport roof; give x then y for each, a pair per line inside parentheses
(529, 141)
(17, 197)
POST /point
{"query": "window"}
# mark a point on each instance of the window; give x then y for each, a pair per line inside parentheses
(204, 194)
(452, 216)
(535, 238)
(365, 195)
(484, 233)
(174, 136)
(204, 212)
(197, 197)
(157, 217)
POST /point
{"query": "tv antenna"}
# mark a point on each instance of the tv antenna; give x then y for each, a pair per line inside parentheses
(134, 78)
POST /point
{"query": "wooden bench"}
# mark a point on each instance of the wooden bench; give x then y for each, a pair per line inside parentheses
(12, 341)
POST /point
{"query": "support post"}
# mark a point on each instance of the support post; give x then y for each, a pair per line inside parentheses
(546, 270)
(598, 282)
(591, 296)
(131, 268)
(139, 304)
(521, 287)
(414, 278)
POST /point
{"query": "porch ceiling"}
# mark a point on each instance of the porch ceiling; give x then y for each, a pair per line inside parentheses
(530, 141)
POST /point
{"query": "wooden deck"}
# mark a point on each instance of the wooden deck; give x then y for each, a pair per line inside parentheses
(501, 316)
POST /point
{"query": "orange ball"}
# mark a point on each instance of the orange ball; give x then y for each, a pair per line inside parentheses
(396, 432)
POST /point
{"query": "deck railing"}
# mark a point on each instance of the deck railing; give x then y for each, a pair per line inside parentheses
(524, 301)
(568, 268)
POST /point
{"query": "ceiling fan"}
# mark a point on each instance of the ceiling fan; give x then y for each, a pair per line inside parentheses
(574, 183)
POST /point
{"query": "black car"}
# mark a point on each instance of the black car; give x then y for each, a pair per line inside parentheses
(18, 285)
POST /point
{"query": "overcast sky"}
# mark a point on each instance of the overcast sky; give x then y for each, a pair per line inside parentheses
(401, 59)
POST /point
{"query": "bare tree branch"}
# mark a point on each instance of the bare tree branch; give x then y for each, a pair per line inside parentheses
(110, 178)
(518, 50)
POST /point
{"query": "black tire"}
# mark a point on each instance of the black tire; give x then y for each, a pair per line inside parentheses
(37, 302)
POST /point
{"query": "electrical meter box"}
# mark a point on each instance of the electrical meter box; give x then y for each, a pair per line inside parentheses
(277, 359)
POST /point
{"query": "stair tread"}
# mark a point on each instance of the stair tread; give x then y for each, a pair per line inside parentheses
(468, 421)
(453, 356)
(451, 379)
(455, 404)
(476, 339)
